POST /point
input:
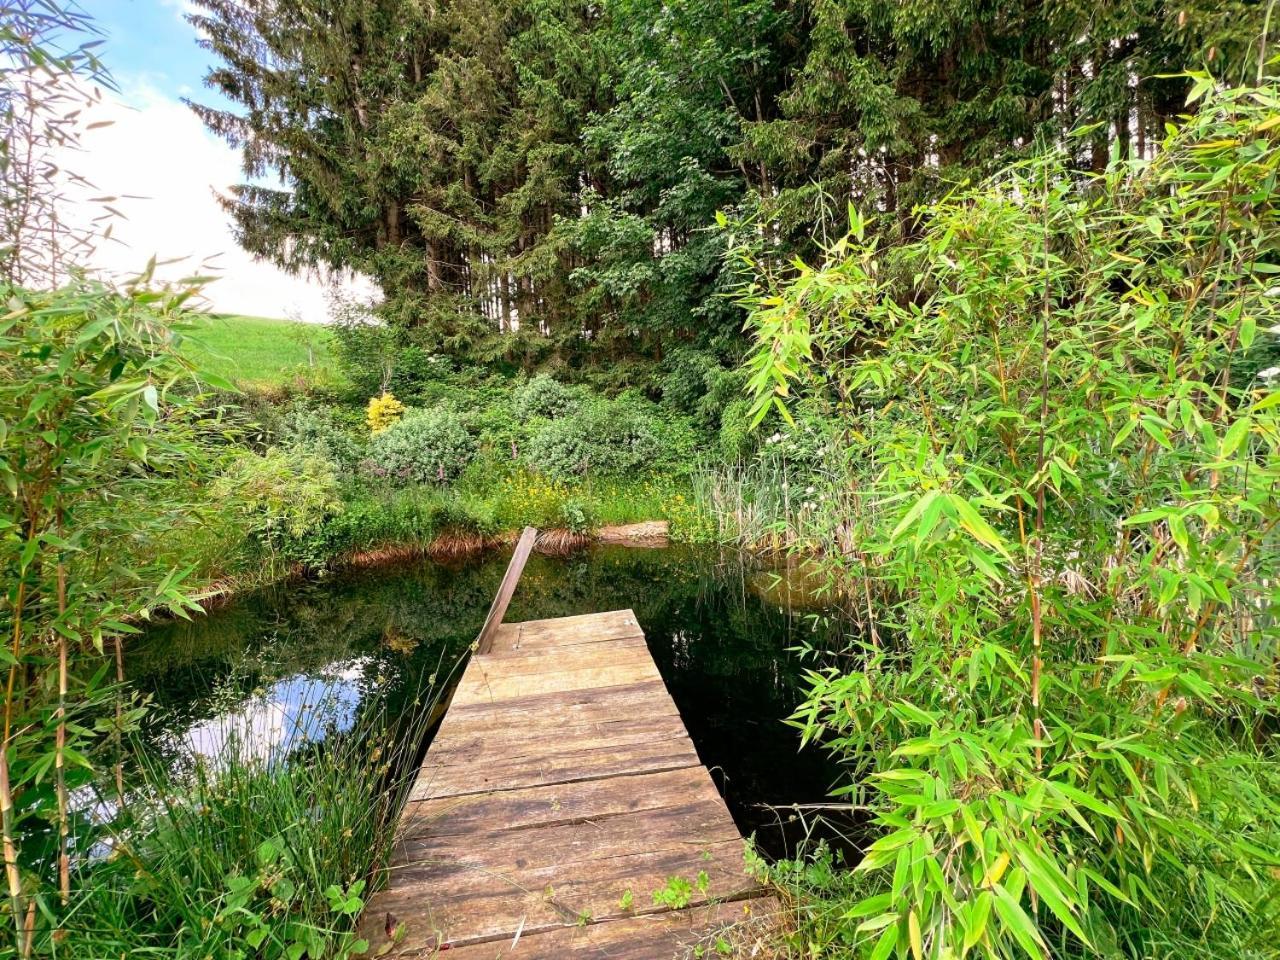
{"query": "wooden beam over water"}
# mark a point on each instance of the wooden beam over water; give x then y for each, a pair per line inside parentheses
(502, 599)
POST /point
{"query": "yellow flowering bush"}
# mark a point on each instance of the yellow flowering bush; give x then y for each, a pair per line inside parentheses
(383, 411)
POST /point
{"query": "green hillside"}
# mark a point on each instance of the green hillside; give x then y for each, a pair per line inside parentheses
(261, 351)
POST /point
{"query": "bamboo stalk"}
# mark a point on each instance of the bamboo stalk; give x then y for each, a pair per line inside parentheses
(60, 756)
(13, 876)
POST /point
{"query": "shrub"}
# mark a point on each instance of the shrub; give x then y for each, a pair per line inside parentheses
(284, 499)
(383, 412)
(736, 438)
(685, 378)
(416, 371)
(545, 397)
(577, 513)
(396, 517)
(602, 438)
(426, 446)
(317, 433)
(464, 515)
(237, 856)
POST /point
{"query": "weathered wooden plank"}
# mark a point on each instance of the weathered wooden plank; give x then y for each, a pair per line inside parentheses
(567, 706)
(490, 687)
(498, 774)
(502, 599)
(466, 908)
(516, 663)
(462, 745)
(554, 654)
(686, 826)
(568, 631)
(558, 803)
(662, 936)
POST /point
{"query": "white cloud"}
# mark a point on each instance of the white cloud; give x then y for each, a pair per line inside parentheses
(164, 166)
(181, 7)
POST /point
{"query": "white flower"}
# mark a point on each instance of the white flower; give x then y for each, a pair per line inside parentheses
(1269, 374)
(1275, 329)
(1274, 292)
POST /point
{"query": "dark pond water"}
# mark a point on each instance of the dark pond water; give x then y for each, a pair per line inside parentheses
(256, 668)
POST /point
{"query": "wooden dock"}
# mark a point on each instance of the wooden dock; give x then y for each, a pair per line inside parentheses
(562, 811)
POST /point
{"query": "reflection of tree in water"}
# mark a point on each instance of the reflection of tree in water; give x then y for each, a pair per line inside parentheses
(721, 649)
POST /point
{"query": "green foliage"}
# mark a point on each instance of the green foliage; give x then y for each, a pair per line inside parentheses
(317, 432)
(538, 182)
(544, 397)
(284, 498)
(426, 446)
(736, 438)
(1063, 517)
(397, 517)
(96, 455)
(246, 856)
(604, 438)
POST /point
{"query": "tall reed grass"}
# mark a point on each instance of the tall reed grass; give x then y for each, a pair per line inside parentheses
(258, 836)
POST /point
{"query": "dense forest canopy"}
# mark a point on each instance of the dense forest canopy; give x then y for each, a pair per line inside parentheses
(537, 181)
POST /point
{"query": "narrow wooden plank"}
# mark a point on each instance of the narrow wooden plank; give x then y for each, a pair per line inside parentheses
(661, 936)
(498, 609)
(569, 706)
(519, 663)
(555, 654)
(488, 688)
(498, 774)
(568, 631)
(558, 803)
(462, 745)
(464, 908)
(687, 826)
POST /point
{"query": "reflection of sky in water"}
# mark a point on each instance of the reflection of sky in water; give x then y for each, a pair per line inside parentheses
(293, 711)
(265, 727)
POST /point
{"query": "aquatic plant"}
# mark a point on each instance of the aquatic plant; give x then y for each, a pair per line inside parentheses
(265, 845)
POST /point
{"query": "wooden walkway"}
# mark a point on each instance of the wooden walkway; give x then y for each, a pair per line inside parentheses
(559, 795)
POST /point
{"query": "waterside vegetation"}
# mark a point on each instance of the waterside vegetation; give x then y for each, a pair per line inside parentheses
(974, 311)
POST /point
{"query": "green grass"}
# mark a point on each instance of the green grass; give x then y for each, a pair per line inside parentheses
(277, 855)
(260, 351)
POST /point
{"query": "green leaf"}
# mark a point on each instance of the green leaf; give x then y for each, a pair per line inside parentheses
(888, 940)
(1018, 923)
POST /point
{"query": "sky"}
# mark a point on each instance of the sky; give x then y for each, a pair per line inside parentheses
(157, 158)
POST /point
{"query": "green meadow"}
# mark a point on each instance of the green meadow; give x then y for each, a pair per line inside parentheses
(261, 351)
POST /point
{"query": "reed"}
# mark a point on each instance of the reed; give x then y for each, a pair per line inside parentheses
(271, 841)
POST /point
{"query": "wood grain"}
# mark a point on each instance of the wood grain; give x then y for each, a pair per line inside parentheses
(561, 793)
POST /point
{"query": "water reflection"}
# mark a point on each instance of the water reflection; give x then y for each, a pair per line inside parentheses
(288, 666)
(292, 712)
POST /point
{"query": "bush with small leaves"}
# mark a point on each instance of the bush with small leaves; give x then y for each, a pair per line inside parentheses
(426, 446)
(317, 432)
(545, 397)
(285, 499)
(602, 439)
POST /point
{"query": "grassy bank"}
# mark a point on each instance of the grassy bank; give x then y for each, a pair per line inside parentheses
(261, 353)
(267, 848)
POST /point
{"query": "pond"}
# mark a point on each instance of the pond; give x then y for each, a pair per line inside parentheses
(257, 667)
